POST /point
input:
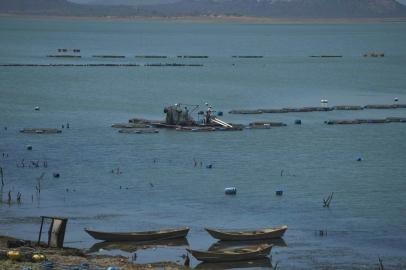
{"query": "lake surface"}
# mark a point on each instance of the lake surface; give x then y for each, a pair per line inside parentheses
(367, 216)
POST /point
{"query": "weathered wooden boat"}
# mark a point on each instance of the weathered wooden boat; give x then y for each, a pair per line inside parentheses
(238, 254)
(139, 236)
(224, 245)
(262, 234)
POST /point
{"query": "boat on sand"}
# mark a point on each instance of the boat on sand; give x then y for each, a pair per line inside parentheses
(139, 236)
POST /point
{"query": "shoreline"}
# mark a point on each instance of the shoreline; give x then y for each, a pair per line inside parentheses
(212, 19)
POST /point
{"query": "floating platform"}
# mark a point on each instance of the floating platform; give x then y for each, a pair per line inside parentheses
(326, 56)
(347, 108)
(247, 56)
(266, 124)
(41, 130)
(374, 54)
(366, 121)
(193, 56)
(151, 56)
(69, 65)
(108, 56)
(319, 109)
(131, 125)
(172, 65)
(245, 111)
(385, 106)
(64, 56)
(138, 131)
(196, 129)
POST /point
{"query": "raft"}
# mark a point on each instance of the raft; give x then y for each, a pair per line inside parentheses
(41, 130)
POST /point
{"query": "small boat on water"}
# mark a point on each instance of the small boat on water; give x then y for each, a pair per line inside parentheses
(262, 234)
(224, 245)
(230, 255)
(139, 236)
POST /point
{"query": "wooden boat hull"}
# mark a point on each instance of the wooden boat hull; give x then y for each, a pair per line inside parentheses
(139, 236)
(240, 254)
(248, 235)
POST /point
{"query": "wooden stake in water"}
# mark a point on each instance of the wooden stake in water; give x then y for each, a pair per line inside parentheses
(2, 176)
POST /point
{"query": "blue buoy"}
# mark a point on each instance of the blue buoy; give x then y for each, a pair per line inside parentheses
(298, 122)
(359, 159)
(230, 191)
(279, 192)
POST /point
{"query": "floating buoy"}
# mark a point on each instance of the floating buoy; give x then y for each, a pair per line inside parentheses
(230, 191)
(279, 192)
(324, 101)
(396, 99)
(36, 108)
(210, 166)
(56, 175)
(298, 122)
(220, 113)
(359, 159)
(29, 147)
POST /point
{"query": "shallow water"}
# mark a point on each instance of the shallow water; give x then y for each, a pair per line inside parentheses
(366, 218)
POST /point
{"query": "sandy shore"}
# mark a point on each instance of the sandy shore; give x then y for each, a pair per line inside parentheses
(74, 257)
(216, 19)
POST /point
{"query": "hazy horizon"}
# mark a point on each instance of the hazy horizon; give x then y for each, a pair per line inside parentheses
(135, 2)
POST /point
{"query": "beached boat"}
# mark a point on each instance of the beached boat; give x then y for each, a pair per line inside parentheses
(262, 234)
(139, 236)
(230, 255)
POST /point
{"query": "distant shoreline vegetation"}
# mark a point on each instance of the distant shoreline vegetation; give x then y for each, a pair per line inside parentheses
(214, 19)
(223, 10)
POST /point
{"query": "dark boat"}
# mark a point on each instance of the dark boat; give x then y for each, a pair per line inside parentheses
(262, 234)
(231, 255)
(139, 236)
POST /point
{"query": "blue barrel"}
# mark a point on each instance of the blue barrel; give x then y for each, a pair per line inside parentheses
(279, 192)
(230, 191)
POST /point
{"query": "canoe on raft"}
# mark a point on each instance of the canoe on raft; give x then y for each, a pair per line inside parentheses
(139, 236)
(238, 254)
(263, 234)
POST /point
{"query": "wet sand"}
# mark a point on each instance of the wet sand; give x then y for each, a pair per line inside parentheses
(66, 257)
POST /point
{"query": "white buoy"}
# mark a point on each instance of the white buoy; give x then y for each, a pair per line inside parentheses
(396, 99)
(324, 101)
(36, 108)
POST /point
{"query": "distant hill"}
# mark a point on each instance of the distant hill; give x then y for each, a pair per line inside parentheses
(255, 8)
(287, 8)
